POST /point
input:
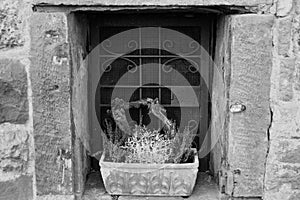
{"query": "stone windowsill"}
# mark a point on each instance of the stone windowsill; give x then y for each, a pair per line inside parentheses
(205, 189)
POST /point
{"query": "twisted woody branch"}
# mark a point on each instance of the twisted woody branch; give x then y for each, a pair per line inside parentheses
(119, 106)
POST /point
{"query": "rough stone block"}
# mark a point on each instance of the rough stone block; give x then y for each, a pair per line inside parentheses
(103, 197)
(283, 192)
(284, 7)
(282, 168)
(288, 152)
(50, 76)
(14, 151)
(13, 92)
(285, 123)
(241, 198)
(297, 76)
(11, 25)
(18, 189)
(285, 114)
(278, 177)
(251, 62)
(284, 35)
(56, 197)
(297, 8)
(296, 34)
(149, 198)
(286, 77)
(295, 196)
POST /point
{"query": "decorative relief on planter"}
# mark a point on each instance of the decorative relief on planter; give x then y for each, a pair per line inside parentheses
(156, 182)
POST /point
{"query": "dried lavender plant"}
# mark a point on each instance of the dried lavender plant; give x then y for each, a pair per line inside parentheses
(147, 146)
(113, 143)
(181, 146)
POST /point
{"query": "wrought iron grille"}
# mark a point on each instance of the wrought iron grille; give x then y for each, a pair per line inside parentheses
(151, 66)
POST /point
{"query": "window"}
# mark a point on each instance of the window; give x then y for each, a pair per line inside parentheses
(145, 63)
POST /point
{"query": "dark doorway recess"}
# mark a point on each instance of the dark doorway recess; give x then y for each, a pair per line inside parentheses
(98, 27)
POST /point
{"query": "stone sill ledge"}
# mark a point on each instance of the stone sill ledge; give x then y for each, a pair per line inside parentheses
(153, 2)
(205, 189)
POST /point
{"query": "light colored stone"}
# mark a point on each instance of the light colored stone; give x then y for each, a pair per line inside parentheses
(50, 78)
(55, 197)
(284, 35)
(286, 77)
(149, 198)
(13, 92)
(296, 34)
(279, 176)
(291, 155)
(295, 196)
(297, 6)
(297, 76)
(14, 151)
(286, 151)
(282, 192)
(20, 188)
(284, 7)
(251, 62)
(286, 121)
(240, 198)
(282, 123)
(282, 177)
(11, 25)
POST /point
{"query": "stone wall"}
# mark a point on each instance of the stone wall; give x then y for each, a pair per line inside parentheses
(283, 165)
(17, 173)
(36, 123)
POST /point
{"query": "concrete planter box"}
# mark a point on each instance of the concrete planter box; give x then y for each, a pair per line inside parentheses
(149, 179)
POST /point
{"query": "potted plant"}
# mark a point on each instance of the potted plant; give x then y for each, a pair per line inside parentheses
(140, 161)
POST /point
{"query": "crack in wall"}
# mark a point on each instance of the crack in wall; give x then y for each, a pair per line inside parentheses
(268, 147)
(233, 186)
